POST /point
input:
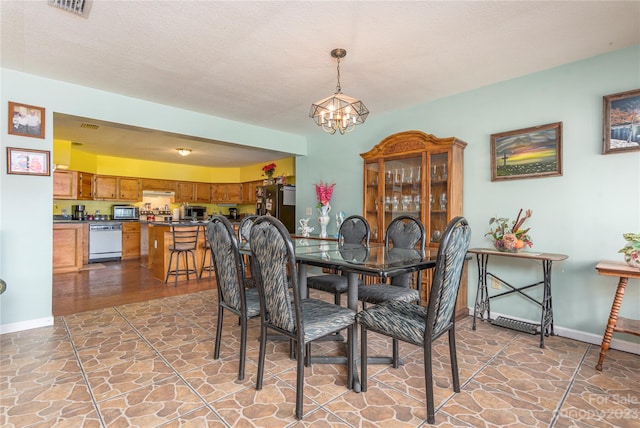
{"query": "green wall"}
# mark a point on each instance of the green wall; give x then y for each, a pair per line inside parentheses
(582, 214)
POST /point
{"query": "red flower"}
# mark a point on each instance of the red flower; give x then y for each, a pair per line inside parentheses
(269, 169)
(323, 193)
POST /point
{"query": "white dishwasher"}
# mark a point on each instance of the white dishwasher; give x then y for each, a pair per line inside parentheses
(105, 241)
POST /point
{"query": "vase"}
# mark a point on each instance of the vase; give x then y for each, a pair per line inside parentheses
(499, 245)
(324, 219)
(633, 260)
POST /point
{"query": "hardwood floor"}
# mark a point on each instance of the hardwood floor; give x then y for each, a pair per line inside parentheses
(116, 284)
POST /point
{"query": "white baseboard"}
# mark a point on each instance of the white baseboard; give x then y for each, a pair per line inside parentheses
(582, 336)
(26, 325)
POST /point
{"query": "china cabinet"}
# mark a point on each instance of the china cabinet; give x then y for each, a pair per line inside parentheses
(418, 174)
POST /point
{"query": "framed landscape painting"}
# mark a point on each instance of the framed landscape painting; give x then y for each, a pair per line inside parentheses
(26, 120)
(621, 122)
(527, 153)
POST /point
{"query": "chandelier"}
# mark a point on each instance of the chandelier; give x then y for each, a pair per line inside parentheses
(338, 112)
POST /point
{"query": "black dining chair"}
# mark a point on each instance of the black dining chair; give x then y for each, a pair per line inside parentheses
(404, 232)
(354, 230)
(233, 296)
(185, 241)
(244, 230)
(421, 325)
(302, 320)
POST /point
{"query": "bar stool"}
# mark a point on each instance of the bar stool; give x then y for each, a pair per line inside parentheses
(206, 251)
(185, 240)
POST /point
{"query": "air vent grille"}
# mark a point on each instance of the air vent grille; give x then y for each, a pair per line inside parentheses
(78, 7)
(89, 126)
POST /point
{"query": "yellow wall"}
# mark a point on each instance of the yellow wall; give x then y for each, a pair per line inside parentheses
(77, 160)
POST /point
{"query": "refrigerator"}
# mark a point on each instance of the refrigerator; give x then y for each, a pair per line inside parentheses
(279, 201)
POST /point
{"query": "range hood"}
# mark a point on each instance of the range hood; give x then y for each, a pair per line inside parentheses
(156, 193)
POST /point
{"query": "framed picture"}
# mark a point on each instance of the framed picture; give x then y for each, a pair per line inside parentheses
(527, 153)
(621, 122)
(27, 162)
(26, 120)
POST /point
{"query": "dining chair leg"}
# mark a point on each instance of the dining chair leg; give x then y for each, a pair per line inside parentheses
(300, 379)
(243, 347)
(454, 359)
(263, 350)
(428, 376)
(216, 347)
(363, 358)
(396, 353)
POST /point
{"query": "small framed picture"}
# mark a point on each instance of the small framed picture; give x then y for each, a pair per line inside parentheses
(621, 122)
(27, 162)
(26, 120)
(527, 153)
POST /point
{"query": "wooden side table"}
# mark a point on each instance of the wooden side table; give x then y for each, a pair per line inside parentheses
(615, 323)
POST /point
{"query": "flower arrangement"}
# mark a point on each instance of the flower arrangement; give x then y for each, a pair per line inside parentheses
(269, 169)
(323, 193)
(631, 250)
(507, 235)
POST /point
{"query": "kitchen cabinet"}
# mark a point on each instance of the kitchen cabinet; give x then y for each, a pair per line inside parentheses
(85, 186)
(67, 247)
(417, 174)
(105, 187)
(226, 192)
(156, 184)
(203, 193)
(65, 184)
(130, 240)
(69, 184)
(249, 191)
(184, 191)
(129, 189)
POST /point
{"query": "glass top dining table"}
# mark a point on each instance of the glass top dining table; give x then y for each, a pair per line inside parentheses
(354, 260)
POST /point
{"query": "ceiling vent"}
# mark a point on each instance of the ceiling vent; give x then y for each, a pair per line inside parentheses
(89, 125)
(77, 7)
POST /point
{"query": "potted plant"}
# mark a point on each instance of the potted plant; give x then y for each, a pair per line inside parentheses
(631, 250)
(508, 236)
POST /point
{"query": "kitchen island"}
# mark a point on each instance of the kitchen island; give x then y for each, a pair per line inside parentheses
(160, 238)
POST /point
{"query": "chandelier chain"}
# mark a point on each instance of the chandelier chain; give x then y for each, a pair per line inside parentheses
(338, 88)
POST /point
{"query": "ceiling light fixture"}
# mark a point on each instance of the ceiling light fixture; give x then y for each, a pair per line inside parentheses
(184, 152)
(338, 112)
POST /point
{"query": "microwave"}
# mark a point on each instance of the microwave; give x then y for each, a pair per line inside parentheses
(199, 212)
(125, 212)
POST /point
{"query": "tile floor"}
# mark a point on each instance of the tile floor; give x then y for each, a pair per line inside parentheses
(150, 365)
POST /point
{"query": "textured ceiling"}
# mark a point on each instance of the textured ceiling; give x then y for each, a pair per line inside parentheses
(265, 62)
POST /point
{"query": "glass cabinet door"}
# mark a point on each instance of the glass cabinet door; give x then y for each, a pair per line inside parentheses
(439, 196)
(372, 198)
(402, 191)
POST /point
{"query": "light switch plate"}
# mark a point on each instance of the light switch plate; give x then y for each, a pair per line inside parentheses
(309, 211)
(495, 284)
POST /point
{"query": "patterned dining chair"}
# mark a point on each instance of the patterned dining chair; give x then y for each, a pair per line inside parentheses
(421, 325)
(302, 320)
(244, 230)
(404, 232)
(233, 296)
(353, 230)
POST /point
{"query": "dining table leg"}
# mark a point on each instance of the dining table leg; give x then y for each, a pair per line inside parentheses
(302, 281)
(352, 303)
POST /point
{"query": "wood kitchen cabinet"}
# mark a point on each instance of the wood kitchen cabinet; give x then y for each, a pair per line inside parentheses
(65, 184)
(226, 192)
(129, 189)
(69, 184)
(203, 193)
(105, 187)
(184, 191)
(417, 174)
(249, 191)
(67, 247)
(130, 240)
(156, 184)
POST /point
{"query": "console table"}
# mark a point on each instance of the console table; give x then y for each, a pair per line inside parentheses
(615, 323)
(482, 306)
